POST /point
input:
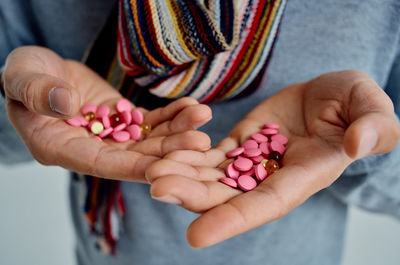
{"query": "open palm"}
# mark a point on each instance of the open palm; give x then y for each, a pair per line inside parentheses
(329, 121)
(32, 72)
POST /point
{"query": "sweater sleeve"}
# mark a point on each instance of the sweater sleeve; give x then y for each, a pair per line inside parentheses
(17, 28)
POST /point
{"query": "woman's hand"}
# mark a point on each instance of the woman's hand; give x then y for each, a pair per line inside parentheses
(42, 89)
(330, 121)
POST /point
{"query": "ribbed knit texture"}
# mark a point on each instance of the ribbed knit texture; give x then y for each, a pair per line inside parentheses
(210, 50)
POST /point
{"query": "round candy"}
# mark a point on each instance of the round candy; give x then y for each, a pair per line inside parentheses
(124, 105)
(106, 132)
(126, 117)
(264, 147)
(250, 144)
(90, 116)
(258, 159)
(230, 182)
(277, 146)
(102, 111)
(115, 120)
(264, 162)
(120, 127)
(145, 128)
(271, 126)
(259, 138)
(275, 156)
(134, 131)
(235, 152)
(89, 108)
(106, 122)
(269, 131)
(137, 117)
(252, 152)
(246, 182)
(232, 172)
(96, 127)
(260, 172)
(77, 121)
(121, 136)
(280, 138)
(243, 164)
(250, 172)
(271, 166)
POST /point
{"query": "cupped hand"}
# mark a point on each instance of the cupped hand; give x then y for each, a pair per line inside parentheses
(42, 89)
(330, 122)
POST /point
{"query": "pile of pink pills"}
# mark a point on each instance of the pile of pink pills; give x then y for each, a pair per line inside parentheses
(126, 124)
(256, 159)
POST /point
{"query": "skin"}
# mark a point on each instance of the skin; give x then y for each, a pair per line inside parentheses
(29, 76)
(330, 122)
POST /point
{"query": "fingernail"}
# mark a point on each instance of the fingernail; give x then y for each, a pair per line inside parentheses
(369, 138)
(60, 100)
(169, 199)
(199, 124)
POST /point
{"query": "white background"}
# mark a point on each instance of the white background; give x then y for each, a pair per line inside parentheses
(36, 229)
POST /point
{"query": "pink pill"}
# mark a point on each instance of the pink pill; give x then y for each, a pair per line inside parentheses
(126, 117)
(271, 126)
(261, 173)
(277, 146)
(246, 183)
(89, 108)
(264, 147)
(258, 159)
(243, 164)
(106, 122)
(230, 182)
(121, 136)
(98, 138)
(235, 152)
(137, 117)
(252, 152)
(250, 144)
(250, 172)
(106, 132)
(120, 127)
(77, 121)
(280, 138)
(269, 131)
(232, 172)
(102, 111)
(134, 132)
(123, 105)
(259, 138)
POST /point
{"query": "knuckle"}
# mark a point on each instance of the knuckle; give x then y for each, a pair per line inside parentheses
(157, 170)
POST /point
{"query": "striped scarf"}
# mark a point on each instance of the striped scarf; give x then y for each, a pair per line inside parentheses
(153, 51)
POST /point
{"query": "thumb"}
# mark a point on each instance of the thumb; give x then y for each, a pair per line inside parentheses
(42, 93)
(373, 127)
(36, 77)
(374, 133)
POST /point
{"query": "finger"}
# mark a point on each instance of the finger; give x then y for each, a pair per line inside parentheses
(56, 143)
(211, 158)
(160, 146)
(26, 80)
(272, 199)
(89, 156)
(196, 196)
(166, 167)
(160, 115)
(190, 118)
(373, 127)
(302, 175)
